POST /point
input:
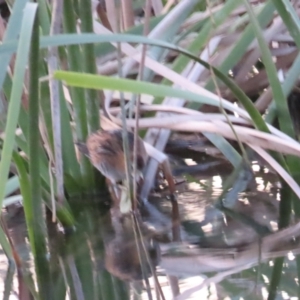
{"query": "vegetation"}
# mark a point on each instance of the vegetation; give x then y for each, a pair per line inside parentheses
(226, 69)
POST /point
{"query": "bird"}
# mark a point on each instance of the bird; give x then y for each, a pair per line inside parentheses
(106, 153)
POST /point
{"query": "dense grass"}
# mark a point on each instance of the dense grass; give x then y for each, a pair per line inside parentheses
(60, 106)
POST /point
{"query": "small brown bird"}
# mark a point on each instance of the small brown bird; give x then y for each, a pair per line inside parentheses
(106, 153)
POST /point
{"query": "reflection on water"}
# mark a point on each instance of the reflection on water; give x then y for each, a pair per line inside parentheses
(109, 242)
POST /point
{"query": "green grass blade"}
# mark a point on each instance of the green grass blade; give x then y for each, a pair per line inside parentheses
(290, 18)
(38, 240)
(23, 123)
(25, 190)
(71, 166)
(281, 103)
(89, 65)
(15, 99)
(87, 38)
(29, 213)
(288, 84)
(127, 85)
(44, 16)
(12, 185)
(80, 115)
(5, 244)
(285, 211)
(12, 31)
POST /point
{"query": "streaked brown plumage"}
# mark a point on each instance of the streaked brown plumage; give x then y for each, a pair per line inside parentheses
(105, 150)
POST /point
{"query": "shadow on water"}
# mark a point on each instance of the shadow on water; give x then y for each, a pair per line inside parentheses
(101, 257)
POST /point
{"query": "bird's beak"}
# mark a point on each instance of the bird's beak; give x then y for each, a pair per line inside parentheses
(83, 148)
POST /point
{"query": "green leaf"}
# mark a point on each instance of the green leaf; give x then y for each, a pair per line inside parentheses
(127, 85)
(33, 206)
(290, 18)
(281, 103)
(80, 112)
(11, 33)
(5, 245)
(12, 185)
(15, 100)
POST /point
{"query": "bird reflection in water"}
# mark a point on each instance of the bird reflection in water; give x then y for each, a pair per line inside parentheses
(125, 255)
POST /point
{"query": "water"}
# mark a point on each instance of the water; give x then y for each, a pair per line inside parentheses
(101, 243)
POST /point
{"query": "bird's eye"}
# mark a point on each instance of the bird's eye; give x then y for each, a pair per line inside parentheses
(106, 150)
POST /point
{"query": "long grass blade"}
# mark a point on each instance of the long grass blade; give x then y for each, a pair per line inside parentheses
(127, 85)
(89, 65)
(44, 16)
(290, 18)
(80, 115)
(54, 88)
(5, 245)
(35, 205)
(12, 185)
(281, 103)
(11, 33)
(15, 99)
